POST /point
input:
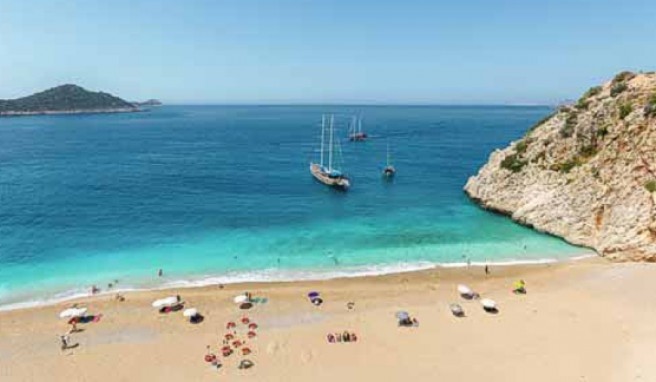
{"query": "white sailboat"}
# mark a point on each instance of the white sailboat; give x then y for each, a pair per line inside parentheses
(355, 131)
(389, 170)
(329, 175)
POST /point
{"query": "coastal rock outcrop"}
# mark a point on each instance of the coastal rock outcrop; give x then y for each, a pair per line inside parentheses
(586, 173)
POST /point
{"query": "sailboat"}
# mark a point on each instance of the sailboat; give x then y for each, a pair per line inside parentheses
(328, 175)
(355, 131)
(389, 170)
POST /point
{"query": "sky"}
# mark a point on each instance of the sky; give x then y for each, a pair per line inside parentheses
(323, 51)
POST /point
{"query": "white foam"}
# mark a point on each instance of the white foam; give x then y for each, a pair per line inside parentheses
(283, 275)
(64, 296)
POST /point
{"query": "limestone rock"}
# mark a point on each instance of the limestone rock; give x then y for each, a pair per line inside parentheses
(587, 173)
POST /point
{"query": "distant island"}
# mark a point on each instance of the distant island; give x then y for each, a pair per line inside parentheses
(68, 99)
(150, 102)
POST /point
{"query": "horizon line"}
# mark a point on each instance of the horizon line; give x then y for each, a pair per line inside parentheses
(363, 104)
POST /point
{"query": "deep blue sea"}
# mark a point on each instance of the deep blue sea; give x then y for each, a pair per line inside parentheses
(224, 193)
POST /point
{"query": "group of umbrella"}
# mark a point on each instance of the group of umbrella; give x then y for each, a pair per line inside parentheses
(489, 305)
(231, 343)
(174, 304)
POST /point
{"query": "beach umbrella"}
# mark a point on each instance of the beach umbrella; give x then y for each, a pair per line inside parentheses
(242, 298)
(164, 302)
(465, 290)
(488, 304)
(312, 295)
(73, 312)
(457, 310)
(191, 312)
(402, 315)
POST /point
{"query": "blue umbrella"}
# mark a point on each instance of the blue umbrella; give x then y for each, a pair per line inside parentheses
(312, 295)
(402, 315)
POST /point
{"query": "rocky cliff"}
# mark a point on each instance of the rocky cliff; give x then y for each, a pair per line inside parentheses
(586, 173)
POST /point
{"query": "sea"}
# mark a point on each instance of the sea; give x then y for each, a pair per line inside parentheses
(221, 194)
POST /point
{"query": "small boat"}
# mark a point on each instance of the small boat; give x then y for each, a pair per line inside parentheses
(329, 175)
(389, 170)
(355, 131)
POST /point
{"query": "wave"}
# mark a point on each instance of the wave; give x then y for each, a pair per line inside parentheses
(281, 275)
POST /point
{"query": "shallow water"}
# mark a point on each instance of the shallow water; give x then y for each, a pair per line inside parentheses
(223, 193)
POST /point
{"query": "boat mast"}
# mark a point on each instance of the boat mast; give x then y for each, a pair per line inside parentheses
(388, 154)
(330, 145)
(323, 124)
(352, 127)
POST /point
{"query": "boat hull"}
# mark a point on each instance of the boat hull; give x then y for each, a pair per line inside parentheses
(335, 182)
(389, 172)
(358, 137)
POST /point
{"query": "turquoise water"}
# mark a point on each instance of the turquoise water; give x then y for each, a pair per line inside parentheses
(223, 193)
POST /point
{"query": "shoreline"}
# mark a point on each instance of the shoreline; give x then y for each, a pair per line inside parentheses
(584, 306)
(71, 112)
(284, 276)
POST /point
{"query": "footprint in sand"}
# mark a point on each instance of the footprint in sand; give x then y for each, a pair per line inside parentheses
(307, 356)
(273, 347)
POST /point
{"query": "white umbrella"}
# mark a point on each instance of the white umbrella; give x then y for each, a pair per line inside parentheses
(242, 298)
(73, 312)
(191, 312)
(164, 302)
(402, 315)
(465, 290)
(488, 304)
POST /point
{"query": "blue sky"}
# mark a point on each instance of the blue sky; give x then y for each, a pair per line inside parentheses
(315, 51)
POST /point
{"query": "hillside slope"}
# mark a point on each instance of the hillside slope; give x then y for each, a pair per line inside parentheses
(65, 99)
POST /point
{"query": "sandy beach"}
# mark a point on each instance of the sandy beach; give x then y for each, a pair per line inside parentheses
(586, 320)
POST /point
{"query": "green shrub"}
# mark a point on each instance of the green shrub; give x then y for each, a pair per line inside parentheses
(602, 131)
(623, 76)
(593, 91)
(513, 163)
(569, 165)
(582, 104)
(651, 185)
(570, 123)
(522, 145)
(588, 150)
(650, 108)
(625, 109)
(617, 89)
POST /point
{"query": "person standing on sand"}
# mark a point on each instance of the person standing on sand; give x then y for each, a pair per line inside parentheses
(487, 270)
(64, 342)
